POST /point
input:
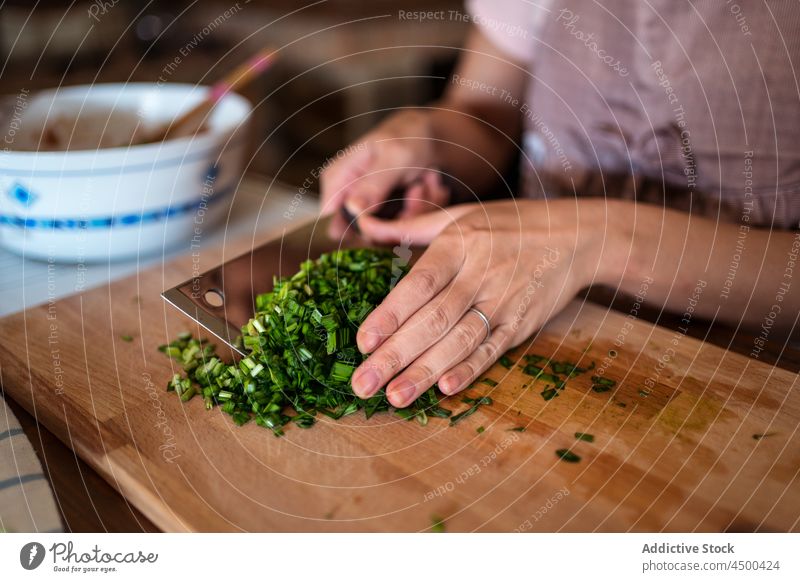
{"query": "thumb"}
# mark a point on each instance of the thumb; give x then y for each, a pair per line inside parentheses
(419, 230)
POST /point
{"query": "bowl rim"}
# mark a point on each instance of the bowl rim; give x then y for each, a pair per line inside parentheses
(201, 140)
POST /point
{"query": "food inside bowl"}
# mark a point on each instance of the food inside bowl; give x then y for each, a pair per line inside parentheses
(84, 129)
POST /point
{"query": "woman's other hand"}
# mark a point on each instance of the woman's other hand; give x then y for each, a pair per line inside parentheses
(519, 263)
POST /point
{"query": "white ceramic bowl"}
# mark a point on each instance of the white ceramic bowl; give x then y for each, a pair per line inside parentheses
(111, 203)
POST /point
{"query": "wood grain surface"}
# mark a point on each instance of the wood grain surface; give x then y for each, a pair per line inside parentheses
(681, 456)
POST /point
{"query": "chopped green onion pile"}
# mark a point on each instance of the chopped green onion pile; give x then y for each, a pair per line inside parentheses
(301, 348)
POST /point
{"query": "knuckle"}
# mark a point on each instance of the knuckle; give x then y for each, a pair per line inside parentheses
(465, 336)
(438, 321)
(388, 321)
(329, 174)
(423, 373)
(396, 152)
(390, 362)
(423, 281)
(469, 367)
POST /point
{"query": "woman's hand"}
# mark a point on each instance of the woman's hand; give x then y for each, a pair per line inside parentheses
(519, 263)
(399, 153)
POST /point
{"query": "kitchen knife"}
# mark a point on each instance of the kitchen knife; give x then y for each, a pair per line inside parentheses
(222, 299)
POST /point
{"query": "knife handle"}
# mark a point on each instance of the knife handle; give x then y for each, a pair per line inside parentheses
(395, 202)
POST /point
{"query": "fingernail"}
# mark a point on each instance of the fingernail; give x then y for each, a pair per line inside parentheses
(400, 394)
(370, 341)
(449, 384)
(365, 383)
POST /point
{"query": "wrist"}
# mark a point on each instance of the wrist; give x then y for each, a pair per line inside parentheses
(611, 226)
(632, 228)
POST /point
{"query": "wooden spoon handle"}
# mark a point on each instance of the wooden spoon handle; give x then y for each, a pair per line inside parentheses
(193, 120)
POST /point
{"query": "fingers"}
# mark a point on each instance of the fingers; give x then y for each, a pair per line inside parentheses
(463, 374)
(415, 336)
(461, 341)
(367, 192)
(420, 229)
(427, 194)
(434, 270)
(338, 175)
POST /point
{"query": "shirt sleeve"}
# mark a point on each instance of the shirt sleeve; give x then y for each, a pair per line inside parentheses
(512, 25)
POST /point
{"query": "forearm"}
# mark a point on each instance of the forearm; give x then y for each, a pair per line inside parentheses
(722, 271)
(477, 124)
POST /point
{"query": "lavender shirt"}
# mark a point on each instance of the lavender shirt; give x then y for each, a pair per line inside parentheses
(692, 105)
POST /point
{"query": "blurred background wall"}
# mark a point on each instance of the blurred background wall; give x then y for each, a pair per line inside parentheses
(343, 63)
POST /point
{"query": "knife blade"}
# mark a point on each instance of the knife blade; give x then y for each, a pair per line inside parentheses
(222, 299)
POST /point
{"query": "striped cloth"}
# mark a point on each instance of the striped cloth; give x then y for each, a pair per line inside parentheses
(26, 500)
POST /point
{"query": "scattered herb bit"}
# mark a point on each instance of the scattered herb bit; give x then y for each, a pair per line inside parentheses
(759, 436)
(517, 429)
(532, 370)
(480, 400)
(601, 384)
(539, 374)
(126, 338)
(584, 436)
(604, 381)
(475, 402)
(489, 382)
(300, 347)
(328, 515)
(621, 404)
(480, 429)
(506, 362)
(569, 369)
(567, 455)
(535, 359)
(549, 393)
(437, 524)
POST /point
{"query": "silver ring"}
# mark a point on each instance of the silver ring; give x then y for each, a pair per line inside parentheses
(485, 320)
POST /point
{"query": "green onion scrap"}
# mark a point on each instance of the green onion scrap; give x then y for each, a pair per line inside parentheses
(567, 456)
(476, 403)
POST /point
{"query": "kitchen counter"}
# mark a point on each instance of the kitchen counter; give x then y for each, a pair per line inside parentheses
(701, 381)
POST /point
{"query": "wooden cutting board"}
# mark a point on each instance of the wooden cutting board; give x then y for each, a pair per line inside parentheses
(681, 456)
